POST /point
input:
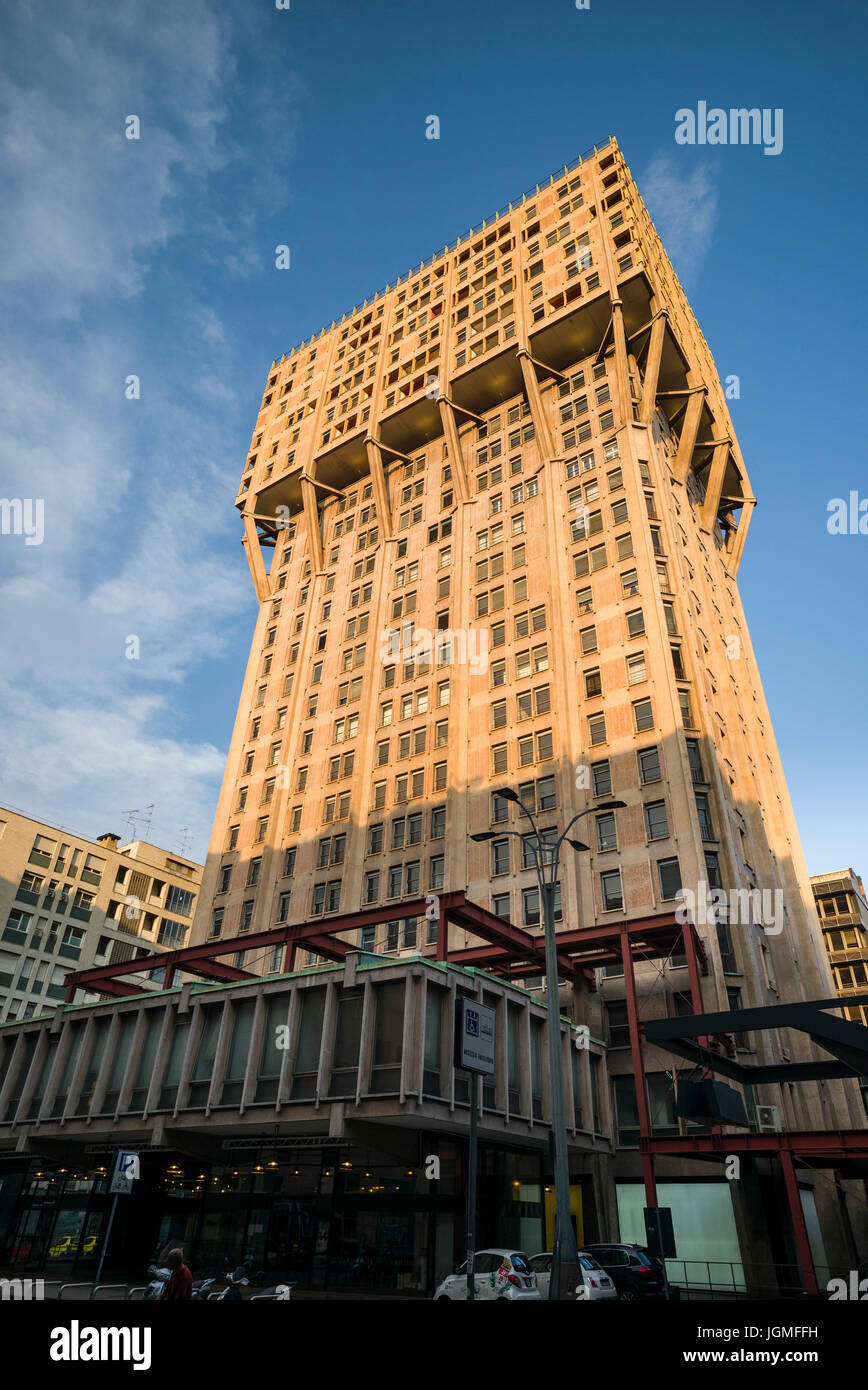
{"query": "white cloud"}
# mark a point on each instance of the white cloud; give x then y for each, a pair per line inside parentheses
(138, 494)
(683, 208)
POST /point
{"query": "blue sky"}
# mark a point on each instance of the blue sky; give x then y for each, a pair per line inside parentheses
(307, 127)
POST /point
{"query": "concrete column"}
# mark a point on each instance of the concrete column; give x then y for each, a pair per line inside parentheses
(219, 1058)
(652, 367)
(329, 1023)
(284, 1084)
(105, 1066)
(194, 1030)
(251, 1071)
(366, 1042)
(132, 1062)
(160, 1059)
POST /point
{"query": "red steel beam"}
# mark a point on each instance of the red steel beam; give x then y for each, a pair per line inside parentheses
(832, 1144)
(642, 1107)
(800, 1229)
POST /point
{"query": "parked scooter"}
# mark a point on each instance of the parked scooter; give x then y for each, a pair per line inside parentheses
(236, 1280)
(159, 1279)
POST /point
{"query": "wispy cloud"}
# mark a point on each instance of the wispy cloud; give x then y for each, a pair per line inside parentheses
(138, 519)
(683, 207)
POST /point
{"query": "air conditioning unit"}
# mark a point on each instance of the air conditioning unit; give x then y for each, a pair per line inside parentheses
(768, 1119)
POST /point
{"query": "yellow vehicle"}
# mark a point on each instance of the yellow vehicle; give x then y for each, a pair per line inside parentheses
(89, 1245)
(66, 1246)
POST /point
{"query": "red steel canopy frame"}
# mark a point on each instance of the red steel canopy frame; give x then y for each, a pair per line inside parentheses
(503, 949)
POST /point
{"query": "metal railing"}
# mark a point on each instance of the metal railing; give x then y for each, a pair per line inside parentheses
(733, 1279)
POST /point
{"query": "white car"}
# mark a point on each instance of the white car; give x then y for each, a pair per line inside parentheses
(595, 1281)
(496, 1274)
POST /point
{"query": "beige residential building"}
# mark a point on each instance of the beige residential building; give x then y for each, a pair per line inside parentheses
(505, 507)
(68, 902)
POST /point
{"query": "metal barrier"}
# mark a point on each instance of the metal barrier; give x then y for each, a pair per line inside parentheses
(733, 1279)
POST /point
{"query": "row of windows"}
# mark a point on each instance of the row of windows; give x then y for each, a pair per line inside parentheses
(529, 748)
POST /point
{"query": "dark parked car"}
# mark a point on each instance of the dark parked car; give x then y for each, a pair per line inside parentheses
(634, 1272)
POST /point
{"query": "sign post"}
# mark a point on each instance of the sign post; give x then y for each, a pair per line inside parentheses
(124, 1173)
(474, 1052)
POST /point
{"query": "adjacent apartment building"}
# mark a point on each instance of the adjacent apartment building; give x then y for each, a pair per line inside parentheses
(842, 911)
(67, 902)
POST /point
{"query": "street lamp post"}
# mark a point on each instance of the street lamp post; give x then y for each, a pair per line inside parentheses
(565, 1273)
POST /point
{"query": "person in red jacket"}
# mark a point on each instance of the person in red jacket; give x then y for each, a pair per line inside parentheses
(180, 1283)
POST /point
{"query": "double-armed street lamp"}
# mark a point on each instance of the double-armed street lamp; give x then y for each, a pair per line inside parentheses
(565, 1273)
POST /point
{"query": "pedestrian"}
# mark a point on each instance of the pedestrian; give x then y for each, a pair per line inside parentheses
(180, 1283)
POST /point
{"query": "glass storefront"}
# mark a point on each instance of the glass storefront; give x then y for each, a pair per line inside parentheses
(326, 1216)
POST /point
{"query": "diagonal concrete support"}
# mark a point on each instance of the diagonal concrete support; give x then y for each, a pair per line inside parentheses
(689, 431)
(714, 486)
(652, 367)
(622, 368)
(251, 545)
(381, 492)
(453, 440)
(535, 401)
(733, 559)
(311, 516)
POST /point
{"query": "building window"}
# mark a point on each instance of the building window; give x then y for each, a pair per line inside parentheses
(712, 869)
(617, 1024)
(649, 765)
(601, 778)
(597, 728)
(695, 759)
(656, 821)
(643, 715)
(611, 891)
(607, 834)
(706, 829)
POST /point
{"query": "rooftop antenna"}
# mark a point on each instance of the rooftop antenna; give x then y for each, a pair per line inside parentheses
(132, 817)
(149, 816)
(184, 832)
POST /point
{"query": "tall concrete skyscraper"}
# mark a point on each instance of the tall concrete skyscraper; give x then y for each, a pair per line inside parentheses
(494, 518)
